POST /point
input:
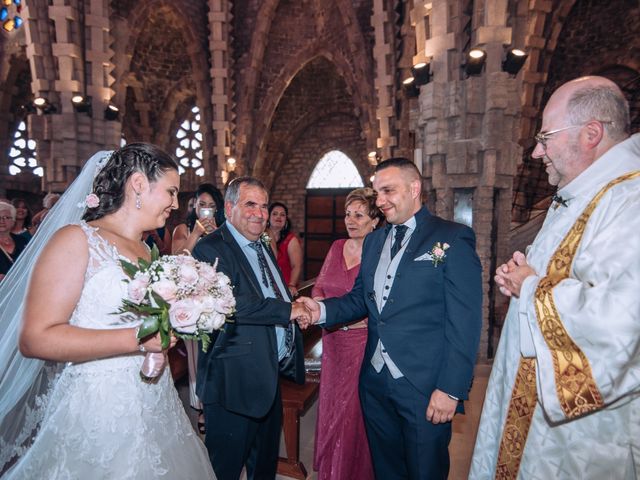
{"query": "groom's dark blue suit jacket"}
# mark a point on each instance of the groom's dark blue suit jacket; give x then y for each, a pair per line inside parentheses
(430, 324)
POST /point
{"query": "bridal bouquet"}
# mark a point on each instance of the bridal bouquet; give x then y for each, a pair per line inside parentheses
(176, 294)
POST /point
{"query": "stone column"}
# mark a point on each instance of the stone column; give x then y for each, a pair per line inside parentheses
(384, 80)
(467, 129)
(222, 86)
(68, 48)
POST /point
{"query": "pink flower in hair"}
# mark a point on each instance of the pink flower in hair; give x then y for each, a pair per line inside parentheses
(92, 201)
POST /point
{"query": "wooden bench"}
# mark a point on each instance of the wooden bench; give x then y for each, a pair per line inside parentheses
(296, 400)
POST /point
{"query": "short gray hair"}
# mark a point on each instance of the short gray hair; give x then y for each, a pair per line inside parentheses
(50, 199)
(602, 103)
(7, 206)
(232, 194)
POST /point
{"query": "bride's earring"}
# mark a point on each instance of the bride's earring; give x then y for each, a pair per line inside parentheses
(138, 202)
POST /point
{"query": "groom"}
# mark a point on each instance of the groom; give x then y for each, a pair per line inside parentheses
(420, 286)
(237, 379)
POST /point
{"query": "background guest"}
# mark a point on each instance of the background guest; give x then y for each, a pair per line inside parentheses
(341, 449)
(23, 218)
(207, 215)
(161, 238)
(11, 245)
(48, 202)
(288, 248)
(203, 219)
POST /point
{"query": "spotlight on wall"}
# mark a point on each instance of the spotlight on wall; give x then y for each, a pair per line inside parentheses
(373, 157)
(44, 105)
(111, 113)
(81, 104)
(410, 88)
(421, 73)
(475, 61)
(231, 164)
(514, 60)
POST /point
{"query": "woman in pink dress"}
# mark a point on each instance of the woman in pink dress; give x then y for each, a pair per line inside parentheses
(341, 448)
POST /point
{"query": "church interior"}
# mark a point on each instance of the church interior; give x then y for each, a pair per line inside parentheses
(281, 89)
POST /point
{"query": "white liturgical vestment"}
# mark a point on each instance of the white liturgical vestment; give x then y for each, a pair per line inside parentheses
(599, 307)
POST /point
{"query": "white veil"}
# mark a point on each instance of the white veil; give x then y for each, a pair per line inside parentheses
(25, 383)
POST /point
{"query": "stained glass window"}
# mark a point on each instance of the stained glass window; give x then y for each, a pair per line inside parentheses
(335, 170)
(189, 150)
(22, 153)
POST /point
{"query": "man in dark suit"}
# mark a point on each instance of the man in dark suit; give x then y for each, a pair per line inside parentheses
(237, 379)
(420, 286)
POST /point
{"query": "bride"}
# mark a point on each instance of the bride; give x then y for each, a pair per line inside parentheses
(82, 411)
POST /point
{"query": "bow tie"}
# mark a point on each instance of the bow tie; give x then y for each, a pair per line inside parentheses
(558, 201)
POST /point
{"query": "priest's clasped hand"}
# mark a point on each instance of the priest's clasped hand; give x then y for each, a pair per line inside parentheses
(510, 276)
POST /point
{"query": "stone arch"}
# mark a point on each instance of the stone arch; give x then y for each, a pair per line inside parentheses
(259, 45)
(293, 67)
(317, 137)
(268, 172)
(544, 25)
(198, 60)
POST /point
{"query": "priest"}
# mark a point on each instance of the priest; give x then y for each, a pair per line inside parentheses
(563, 399)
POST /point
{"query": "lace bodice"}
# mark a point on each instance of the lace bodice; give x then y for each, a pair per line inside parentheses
(104, 288)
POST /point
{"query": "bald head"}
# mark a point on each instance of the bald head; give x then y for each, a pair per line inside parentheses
(583, 119)
(592, 98)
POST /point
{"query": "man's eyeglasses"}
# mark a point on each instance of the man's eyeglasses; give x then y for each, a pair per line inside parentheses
(543, 137)
(6, 218)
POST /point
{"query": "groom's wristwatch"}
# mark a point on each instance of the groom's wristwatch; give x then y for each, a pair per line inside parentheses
(453, 398)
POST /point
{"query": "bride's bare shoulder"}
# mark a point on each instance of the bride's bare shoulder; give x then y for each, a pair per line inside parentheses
(70, 238)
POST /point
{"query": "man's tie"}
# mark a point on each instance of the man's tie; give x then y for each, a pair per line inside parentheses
(399, 230)
(267, 275)
(269, 280)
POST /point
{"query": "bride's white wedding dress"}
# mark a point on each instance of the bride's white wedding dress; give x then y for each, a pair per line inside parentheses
(101, 421)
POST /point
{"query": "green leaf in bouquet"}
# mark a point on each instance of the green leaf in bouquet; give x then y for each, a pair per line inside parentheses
(149, 326)
(206, 341)
(164, 319)
(161, 302)
(165, 338)
(144, 265)
(129, 306)
(129, 268)
(155, 253)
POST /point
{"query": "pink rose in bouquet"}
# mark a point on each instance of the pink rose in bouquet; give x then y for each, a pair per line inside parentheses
(137, 288)
(183, 315)
(166, 288)
(188, 275)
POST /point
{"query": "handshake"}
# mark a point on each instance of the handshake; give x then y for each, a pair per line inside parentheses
(305, 311)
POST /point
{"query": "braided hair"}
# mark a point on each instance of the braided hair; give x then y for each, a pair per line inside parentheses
(109, 184)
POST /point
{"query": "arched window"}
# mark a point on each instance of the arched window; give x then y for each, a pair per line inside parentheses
(335, 170)
(23, 153)
(189, 151)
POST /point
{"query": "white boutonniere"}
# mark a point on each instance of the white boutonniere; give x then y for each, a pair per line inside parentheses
(265, 239)
(438, 253)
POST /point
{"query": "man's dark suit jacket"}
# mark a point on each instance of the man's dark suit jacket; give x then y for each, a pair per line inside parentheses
(240, 370)
(430, 324)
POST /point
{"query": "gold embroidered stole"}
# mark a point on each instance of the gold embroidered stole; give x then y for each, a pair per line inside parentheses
(575, 386)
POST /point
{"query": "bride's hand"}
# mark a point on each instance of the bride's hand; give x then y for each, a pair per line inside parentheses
(153, 343)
